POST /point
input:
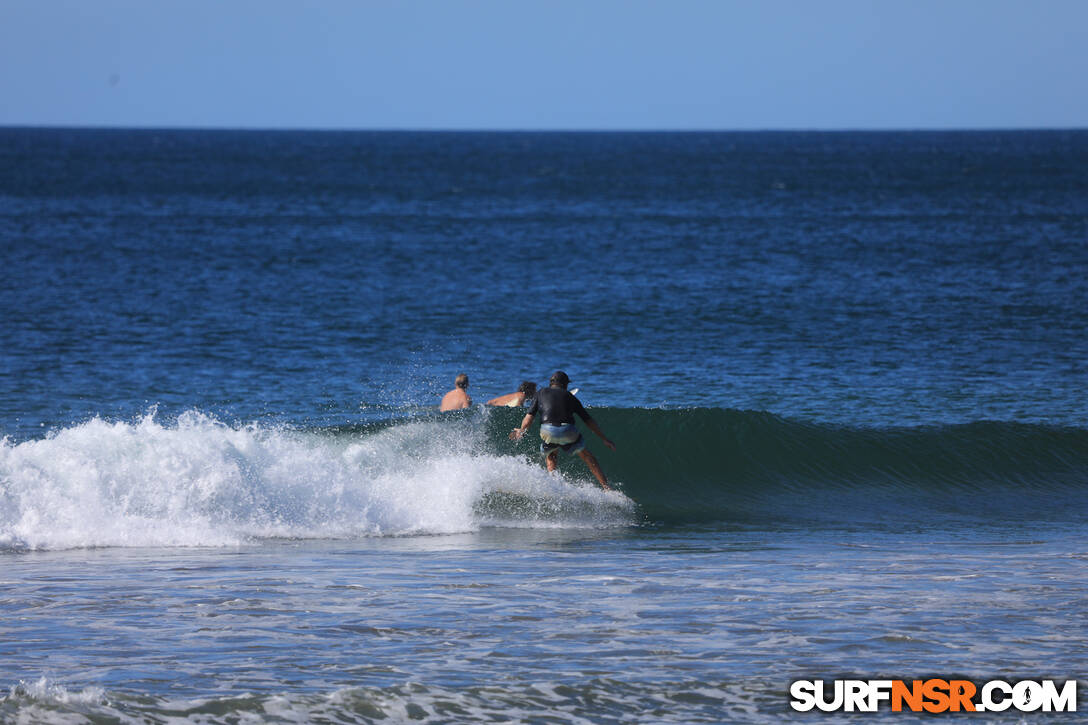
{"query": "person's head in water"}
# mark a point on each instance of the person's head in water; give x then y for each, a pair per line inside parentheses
(559, 379)
(527, 387)
(461, 381)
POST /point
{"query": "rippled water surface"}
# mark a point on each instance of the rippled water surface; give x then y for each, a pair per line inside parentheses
(676, 625)
(845, 374)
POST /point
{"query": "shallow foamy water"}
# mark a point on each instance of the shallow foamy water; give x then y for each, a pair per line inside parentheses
(590, 625)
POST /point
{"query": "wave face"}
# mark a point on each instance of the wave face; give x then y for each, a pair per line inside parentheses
(198, 482)
(715, 464)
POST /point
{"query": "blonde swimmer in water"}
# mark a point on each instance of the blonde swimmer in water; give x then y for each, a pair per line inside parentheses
(457, 399)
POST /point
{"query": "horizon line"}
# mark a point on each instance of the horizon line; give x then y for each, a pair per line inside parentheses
(558, 130)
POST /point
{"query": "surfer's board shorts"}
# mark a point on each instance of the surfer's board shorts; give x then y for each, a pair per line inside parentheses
(566, 437)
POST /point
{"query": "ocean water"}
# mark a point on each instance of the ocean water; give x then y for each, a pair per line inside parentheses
(845, 374)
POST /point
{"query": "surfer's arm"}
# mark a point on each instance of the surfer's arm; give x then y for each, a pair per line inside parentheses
(592, 425)
(517, 433)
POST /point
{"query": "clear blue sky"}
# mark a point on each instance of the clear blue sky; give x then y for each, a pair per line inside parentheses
(552, 64)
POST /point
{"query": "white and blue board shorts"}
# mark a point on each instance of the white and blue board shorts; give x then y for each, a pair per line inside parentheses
(566, 437)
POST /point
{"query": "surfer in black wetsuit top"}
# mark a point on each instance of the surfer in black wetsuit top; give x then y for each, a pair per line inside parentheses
(557, 408)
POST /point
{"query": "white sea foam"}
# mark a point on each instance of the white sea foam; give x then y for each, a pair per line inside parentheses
(47, 702)
(202, 483)
(44, 689)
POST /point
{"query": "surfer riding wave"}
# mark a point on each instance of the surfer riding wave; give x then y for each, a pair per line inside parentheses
(557, 408)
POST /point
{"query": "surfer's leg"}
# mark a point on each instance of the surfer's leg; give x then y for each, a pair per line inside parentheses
(551, 460)
(594, 467)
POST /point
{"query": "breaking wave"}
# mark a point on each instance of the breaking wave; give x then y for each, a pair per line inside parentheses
(199, 482)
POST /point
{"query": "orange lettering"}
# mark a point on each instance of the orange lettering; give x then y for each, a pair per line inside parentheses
(912, 696)
(961, 692)
(937, 692)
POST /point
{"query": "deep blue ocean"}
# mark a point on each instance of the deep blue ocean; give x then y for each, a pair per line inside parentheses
(845, 373)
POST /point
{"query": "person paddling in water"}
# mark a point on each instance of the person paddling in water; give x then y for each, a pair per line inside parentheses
(524, 394)
(457, 399)
(557, 408)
